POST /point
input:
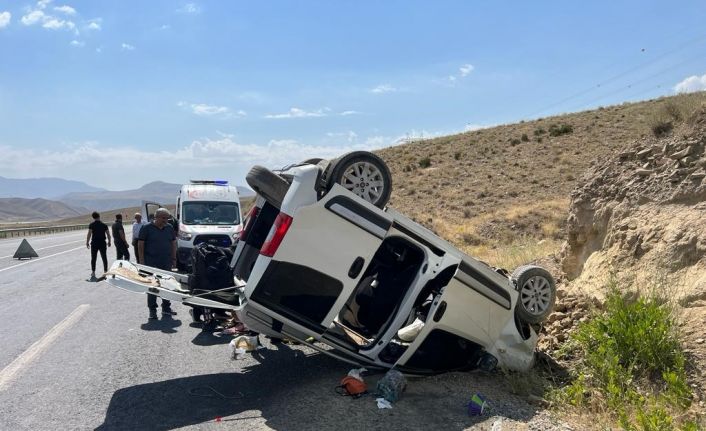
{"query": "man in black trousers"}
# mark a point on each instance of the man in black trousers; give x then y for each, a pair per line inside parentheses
(121, 245)
(157, 248)
(97, 235)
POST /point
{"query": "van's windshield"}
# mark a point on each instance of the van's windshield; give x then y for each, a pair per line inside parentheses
(210, 213)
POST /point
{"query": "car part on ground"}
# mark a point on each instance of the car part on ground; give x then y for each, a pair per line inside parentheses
(537, 291)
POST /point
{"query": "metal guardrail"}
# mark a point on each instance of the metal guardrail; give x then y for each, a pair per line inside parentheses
(39, 230)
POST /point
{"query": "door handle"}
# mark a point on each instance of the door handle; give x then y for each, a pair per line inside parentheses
(356, 267)
(440, 311)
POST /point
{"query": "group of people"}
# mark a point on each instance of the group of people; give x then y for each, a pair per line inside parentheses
(154, 244)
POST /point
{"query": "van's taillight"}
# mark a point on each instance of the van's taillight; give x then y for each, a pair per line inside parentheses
(277, 233)
(252, 215)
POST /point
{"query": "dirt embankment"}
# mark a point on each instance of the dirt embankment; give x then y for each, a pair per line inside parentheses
(643, 214)
(640, 220)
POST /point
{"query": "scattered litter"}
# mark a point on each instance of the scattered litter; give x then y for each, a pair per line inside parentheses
(352, 386)
(391, 386)
(244, 344)
(356, 372)
(477, 405)
(383, 403)
(238, 329)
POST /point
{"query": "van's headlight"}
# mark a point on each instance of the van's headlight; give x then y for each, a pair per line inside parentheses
(184, 236)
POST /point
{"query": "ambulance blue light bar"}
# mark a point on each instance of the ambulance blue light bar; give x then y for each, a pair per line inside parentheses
(214, 182)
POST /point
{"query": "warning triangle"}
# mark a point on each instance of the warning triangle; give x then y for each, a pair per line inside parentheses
(25, 251)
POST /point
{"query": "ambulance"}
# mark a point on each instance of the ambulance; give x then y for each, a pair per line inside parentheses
(207, 211)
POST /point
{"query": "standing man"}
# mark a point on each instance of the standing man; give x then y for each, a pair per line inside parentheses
(121, 246)
(157, 248)
(136, 226)
(97, 235)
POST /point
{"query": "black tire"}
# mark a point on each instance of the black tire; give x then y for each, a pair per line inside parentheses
(356, 171)
(537, 293)
(267, 184)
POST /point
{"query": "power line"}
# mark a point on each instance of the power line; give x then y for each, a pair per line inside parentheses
(620, 75)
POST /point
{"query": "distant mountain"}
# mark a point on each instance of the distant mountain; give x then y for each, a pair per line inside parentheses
(158, 191)
(46, 188)
(19, 209)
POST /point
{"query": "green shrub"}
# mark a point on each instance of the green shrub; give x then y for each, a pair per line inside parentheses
(561, 129)
(539, 131)
(425, 162)
(524, 137)
(457, 155)
(515, 142)
(626, 350)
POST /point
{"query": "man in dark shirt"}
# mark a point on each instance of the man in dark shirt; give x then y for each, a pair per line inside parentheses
(97, 235)
(121, 245)
(157, 248)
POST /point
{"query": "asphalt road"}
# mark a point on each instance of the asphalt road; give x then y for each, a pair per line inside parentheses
(81, 355)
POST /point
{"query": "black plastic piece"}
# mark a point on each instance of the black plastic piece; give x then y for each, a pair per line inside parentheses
(356, 267)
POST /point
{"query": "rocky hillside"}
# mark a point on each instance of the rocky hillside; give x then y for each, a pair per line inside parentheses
(488, 187)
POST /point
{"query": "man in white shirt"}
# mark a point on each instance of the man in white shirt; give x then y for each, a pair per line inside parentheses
(136, 226)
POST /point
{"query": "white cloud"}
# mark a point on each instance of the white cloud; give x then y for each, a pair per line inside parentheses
(691, 84)
(78, 44)
(350, 136)
(299, 113)
(33, 17)
(219, 157)
(463, 71)
(165, 27)
(473, 127)
(383, 88)
(466, 69)
(205, 110)
(94, 24)
(190, 8)
(99, 50)
(58, 24)
(68, 10)
(127, 47)
(37, 16)
(5, 18)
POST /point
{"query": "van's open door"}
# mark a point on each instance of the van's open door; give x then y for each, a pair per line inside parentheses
(148, 210)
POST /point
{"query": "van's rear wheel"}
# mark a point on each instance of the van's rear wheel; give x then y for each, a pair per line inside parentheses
(267, 184)
(537, 291)
(364, 174)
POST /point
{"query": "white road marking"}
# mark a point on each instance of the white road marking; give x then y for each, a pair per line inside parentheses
(16, 367)
(44, 248)
(37, 260)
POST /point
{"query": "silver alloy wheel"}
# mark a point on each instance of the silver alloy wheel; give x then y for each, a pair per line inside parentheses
(536, 295)
(365, 180)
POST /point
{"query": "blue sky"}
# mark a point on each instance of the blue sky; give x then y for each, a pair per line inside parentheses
(118, 94)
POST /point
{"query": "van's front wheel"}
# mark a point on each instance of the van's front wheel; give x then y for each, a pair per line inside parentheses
(537, 293)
